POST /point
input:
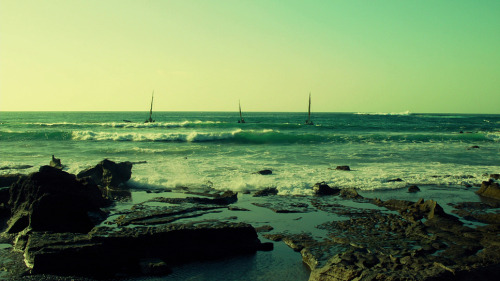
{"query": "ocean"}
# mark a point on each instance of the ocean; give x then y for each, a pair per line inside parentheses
(446, 155)
(211, 149)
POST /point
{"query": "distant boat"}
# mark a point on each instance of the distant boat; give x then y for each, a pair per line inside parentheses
(241, 117)
(150, 119)
(308, 121)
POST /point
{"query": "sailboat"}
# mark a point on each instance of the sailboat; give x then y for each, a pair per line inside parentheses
(241, 117)
(150, 119)
(308, 121)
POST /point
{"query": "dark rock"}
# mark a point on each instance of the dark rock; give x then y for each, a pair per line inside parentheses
(350, 193)
(9, 179)
(264, 228)
(413, 189)
(236, 208)
(16, 167)
(56, 163)
(473, 147)
(266, 247)
(343, 168)
(52, 200)
(106, 252)
(154, 267)
(266, 192)
(395, 180)
(109, 174)
(4, 195)
(226, 198)
(321, 188)
(489, 189)
(264, 172)
(285, 204)
(495, 176)
(155, 215)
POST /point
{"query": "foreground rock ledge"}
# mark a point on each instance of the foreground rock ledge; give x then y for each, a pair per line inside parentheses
(417, 242)
(108, 252)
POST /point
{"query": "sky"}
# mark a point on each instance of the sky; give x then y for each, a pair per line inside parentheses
(426, 56)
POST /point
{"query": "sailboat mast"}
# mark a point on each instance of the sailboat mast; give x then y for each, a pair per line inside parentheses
(239, 103)
(151, 110)
(309, 109)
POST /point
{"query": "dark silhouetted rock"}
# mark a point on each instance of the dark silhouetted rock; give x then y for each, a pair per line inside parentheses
(226, 198)
(16, 167)
(264, 172)
(495, 176)
(108, 173)
(413, 189)
(154, 267)
(9, 179)
(106, 252)
(395, 180)
(264, 228)
(343, 168)
(489, 189)
(56, 163)
(321, 188)
(52, 200)
(266, 192)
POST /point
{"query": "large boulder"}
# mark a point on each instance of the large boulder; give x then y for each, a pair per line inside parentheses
(53, 200)
(108, 173)
(489, 189)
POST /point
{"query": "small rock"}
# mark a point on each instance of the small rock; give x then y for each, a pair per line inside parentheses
(343, 168)
(349, 193)
(154, 267)
(264, 228)
(264, 172)
(56, 163)
(266, 192)
(321, 188)
(395, 180)
(413, 189)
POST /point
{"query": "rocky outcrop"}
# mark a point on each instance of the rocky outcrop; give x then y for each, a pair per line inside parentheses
(107, 252)
(422, 242)
(489, 189)
(53, 200)
(109, 174)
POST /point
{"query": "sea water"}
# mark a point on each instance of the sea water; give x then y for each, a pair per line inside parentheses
(445, 153)
(211, 149)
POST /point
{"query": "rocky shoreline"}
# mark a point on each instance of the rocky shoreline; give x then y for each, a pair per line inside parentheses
(62, 225)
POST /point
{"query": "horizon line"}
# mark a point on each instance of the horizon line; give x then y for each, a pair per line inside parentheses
(354, 112)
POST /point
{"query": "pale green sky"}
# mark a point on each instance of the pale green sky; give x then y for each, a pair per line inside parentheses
(202, 55)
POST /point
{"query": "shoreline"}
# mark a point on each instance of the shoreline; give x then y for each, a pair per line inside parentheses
(304, 224)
